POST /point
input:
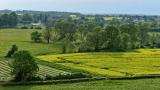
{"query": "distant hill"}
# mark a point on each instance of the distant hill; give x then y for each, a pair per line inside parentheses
(55, 13)
(5, 11)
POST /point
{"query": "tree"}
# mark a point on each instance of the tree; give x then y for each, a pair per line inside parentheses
(8, 20)
(114, 38)
(144, 29)
(65, 43)
(64, 46)
(80, 41)
(23, 66)
(36, 36)
(55, 35)
(91, 25)
(13, 19)
(94, 38)
(126, 43)
(4, 20)
(134, 32)
(47, 34)
(12, 51)
(65, 28)
(27, 19)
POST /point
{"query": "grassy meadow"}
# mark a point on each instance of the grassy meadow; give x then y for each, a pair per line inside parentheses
(21, 37)
(143, 84)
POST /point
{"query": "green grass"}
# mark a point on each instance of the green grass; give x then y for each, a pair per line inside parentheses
(5, 70)
(21, 37)
(113, 64)
(144, 84)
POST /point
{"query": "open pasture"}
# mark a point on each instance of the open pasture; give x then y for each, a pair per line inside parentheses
(22, 38)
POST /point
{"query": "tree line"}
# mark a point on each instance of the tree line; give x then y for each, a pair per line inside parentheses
(8, 20)
(82, 36)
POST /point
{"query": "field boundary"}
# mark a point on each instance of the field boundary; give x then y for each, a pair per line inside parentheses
(3, 83)
(8, 83)
(135, 77)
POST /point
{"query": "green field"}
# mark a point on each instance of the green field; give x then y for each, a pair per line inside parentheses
(111, 18)
(110, 64)
(43, 71)
(21, 37)
(144, 84)
(113, 64)
(107, 18)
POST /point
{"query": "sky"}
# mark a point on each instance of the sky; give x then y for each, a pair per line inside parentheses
(145, 7)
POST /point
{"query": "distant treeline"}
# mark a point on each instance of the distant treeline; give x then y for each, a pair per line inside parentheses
(85, 35)
(8, 20)
(155, 30)
(25, 17)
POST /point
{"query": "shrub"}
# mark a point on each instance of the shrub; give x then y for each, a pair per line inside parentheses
(35, 78)
(36, 36)
(49, 77)
(12, 51)
(31, 27)
(67, 76)
(24, 27)
(38, 27)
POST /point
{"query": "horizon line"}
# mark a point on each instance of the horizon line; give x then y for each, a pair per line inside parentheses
(130, 14)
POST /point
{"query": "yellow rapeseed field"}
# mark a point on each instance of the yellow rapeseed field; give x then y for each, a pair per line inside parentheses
(119, 64)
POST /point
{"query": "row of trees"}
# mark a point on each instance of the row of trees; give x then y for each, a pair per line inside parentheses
(81, 36)
(8, 20)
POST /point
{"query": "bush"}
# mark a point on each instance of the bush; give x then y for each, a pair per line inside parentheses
(24, 27)
(49, 77)
(36, 36)
(35, 78)
(67, 76)
(31, 27)
(38, 27)
(12, 51)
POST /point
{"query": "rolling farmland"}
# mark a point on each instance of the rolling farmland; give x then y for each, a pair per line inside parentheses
(43, 71)
(112, 64)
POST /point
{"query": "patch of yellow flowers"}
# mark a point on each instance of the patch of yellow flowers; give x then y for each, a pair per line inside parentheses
(119, 64)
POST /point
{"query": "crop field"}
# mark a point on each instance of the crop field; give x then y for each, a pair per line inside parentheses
(111, 18)
(5, 71)
(105, 18)
(21, 38)
(5, 74)
(112, 64)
